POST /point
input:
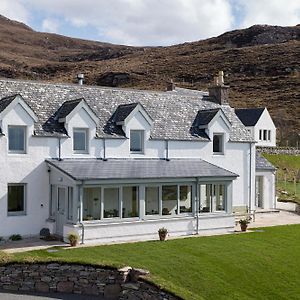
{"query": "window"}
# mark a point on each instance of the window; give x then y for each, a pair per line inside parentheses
(264, 135)
(169, 199)
(16, 199)
(218, 142)
(136, 141)
(91, 204)
(130, 202)
(17, 139)
(80, 140)
(70, 203)
(52, 206)
(185, 197)
(212, 198)
(152, 200)
(111, 203)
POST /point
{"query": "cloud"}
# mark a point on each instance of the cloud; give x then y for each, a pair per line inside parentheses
(275, 12)
(51, 25)
(147, 22)
(14, 9)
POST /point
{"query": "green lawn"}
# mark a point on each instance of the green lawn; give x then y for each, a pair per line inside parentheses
(257, 265)
(288, 168)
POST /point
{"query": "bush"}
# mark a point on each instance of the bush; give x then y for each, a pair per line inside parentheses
(15, 237)
(73, 238)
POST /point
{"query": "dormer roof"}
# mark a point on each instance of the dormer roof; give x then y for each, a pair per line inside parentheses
(8, 103)
(249, 116)
(206, 117)
(125, 111)
(71, 107)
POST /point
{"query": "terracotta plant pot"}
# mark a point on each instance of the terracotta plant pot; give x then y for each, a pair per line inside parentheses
(244, 227)
(162, 236)
(73, 243)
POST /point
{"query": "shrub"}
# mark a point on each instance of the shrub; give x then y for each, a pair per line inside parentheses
(15, 237)
(73, 238)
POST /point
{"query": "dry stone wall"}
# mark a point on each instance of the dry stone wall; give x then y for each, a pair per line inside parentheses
(108, 283)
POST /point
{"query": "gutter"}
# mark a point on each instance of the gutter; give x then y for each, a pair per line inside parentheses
(167, 151)
(59, 148)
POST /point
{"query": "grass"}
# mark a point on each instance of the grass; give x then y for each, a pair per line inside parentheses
(288, 167)
(258, 265)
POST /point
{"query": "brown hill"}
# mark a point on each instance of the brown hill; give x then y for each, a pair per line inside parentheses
(261, 64)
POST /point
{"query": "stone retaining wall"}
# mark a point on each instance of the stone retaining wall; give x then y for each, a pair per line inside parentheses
(125, 283)
(279, 150)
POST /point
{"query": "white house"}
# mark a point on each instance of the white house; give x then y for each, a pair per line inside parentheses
(118, 164)
(260, 124)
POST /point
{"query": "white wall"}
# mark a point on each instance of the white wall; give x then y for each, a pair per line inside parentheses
(265, 122)
(31, 169)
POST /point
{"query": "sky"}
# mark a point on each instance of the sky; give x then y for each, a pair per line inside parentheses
(149, 22)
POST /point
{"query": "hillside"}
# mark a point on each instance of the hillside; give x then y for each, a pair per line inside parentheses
(261, 64)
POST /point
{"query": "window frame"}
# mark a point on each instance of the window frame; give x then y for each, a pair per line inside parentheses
(142, 139)
(86, 132)
(209, 190)
(24, 150)
(221, 143)
(24, 211)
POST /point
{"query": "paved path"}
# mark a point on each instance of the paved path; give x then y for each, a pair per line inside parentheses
(17, 296)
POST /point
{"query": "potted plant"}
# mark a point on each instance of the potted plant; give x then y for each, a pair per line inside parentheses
(73, 238)
(244, 223)
(162, 232)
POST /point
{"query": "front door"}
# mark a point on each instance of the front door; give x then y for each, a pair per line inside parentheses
(61, 210)
(259, 191)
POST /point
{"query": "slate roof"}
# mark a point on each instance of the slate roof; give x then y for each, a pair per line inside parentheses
(4, 102)
(93, 169)
(262, 163)
(123, 111)
(173, 113)
(205, 116)
(249, 116)
(67, 108)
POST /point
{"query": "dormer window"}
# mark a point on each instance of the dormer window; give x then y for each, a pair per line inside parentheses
(80, 140)
(17, 139)
(136, 141)
(218, 143)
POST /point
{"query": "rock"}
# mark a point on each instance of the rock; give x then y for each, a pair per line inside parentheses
(112, 291)
(42, 287)
(65, 286)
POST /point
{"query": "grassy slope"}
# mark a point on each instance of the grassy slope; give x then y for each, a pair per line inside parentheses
(288, 167)
(260, 265)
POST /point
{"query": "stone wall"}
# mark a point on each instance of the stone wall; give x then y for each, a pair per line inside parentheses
(125, 283)
(279, 150)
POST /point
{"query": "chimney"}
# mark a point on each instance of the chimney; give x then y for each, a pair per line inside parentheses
(219, 91)
(80, 78)
(170, 85)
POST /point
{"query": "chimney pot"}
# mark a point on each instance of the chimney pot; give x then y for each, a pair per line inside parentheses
(171, 86)
(219, 91)
(80, 78)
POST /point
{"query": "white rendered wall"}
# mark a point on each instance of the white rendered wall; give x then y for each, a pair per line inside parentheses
(28, 168)
(31, 169)
(143, 230)
(265, 122)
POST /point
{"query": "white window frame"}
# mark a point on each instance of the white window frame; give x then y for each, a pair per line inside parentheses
(142, 133)
(213, 185)
(18, 213)
(222, 142)
(86, 132)
(24, 141)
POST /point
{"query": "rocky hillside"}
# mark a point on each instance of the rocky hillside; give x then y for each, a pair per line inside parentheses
(261, 64)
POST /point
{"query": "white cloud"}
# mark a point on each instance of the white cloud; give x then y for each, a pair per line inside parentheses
(275, 12)
(51, 25)
(147, 22)
(14, 9)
